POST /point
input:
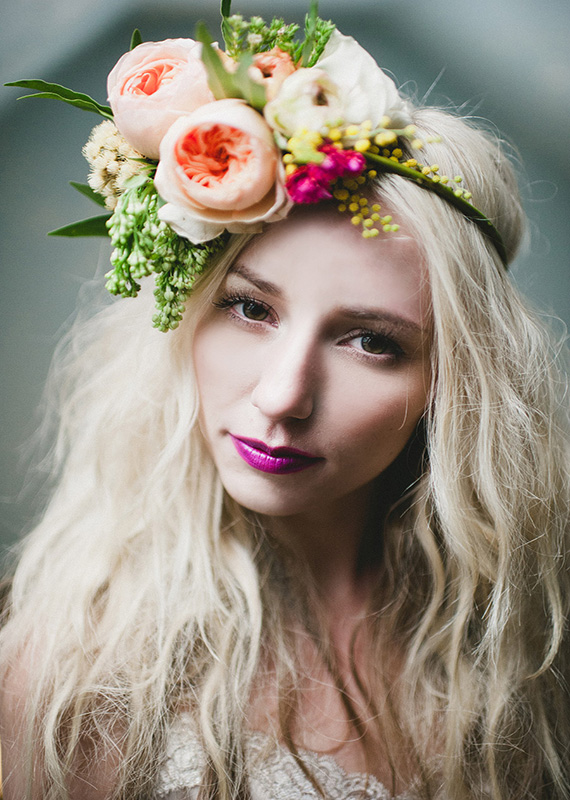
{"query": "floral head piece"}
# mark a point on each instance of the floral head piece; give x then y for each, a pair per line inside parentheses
(199, 143)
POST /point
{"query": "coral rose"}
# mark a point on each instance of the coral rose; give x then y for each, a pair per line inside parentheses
(152, 85)
(270, 69)
(220, 170)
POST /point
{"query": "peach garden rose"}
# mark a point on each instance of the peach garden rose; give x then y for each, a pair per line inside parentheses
(270, 69)
(220, 170)
(152, 85)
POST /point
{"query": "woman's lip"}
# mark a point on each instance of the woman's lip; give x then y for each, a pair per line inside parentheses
(276, 452)
(274, 460)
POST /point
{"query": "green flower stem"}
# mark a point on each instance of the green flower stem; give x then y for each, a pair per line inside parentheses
(448, 195)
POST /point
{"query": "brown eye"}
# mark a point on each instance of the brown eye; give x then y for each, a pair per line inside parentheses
(253, 310)
(375, 343)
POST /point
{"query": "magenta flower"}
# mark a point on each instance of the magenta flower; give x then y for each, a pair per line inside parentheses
(341, 163)
(311, 183)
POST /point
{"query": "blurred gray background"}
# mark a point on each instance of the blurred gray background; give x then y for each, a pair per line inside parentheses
(504, 60)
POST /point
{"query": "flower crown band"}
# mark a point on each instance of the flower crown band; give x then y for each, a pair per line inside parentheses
(199, 143)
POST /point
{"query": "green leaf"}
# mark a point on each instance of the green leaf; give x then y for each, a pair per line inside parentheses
(94, 226)
(252, 92)
(227, 32)
(310, 30)
(136, 181)
(220, 82)
(83, 188)
(53, 91)
(136, 39)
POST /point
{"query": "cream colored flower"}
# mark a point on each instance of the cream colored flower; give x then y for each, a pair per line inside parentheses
(112, 161)
(366, 91)
(308, 99)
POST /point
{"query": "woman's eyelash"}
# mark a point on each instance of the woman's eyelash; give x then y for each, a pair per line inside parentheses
(228, 300)
(374, 343)
(231, 299)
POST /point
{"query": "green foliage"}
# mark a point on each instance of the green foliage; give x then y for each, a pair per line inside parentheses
(317, 33)
(310, 29)
(228, 84)
(94, 226)
(256, 36)
(252, 92)
(144, 244)
(136, 39)
(219, 81)
(225, 12)
(85, 189)
(53, 91)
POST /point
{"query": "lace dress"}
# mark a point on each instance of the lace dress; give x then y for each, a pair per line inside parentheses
(274, 773)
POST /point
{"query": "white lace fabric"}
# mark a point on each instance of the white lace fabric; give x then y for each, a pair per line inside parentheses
(273, 772)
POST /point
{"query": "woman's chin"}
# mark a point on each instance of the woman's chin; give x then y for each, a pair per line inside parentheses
(271, 503)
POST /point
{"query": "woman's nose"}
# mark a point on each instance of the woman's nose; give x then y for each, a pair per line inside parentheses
(287, 381)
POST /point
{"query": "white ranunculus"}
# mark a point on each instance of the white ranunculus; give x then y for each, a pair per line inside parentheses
(306, 99)
(365, 91)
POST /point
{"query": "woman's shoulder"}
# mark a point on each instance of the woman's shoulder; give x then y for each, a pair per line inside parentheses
(274, 772)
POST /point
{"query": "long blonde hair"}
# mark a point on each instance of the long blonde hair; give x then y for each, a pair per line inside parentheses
(144, 588)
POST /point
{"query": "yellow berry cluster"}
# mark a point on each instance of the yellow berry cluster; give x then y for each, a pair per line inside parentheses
(302, 147)
(364, 139)
(432, 172)
(382, 141)
(362, 212)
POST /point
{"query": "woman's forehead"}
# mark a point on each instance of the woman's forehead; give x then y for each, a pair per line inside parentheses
(321, 256)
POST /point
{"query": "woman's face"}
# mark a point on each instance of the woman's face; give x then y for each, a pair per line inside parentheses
(313, 363)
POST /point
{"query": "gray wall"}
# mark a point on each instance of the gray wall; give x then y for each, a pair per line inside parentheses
(506, 61)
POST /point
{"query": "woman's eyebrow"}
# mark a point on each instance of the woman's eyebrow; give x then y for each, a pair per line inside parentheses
(360, 313)
(262, 285)
(363, 314)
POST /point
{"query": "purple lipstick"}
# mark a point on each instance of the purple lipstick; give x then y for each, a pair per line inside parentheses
(274, 460)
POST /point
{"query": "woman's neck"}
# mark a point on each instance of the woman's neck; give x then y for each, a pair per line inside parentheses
(330, 541)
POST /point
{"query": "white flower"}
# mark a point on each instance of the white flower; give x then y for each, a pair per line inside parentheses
(345, 87)
(366, 92)
(307, 99)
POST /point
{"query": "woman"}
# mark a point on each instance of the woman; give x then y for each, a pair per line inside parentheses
(313, 542)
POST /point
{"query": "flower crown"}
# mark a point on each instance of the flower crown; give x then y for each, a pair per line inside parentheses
(199, 143)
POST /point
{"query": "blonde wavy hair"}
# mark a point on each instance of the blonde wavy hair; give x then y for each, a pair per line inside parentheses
(145, 589)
